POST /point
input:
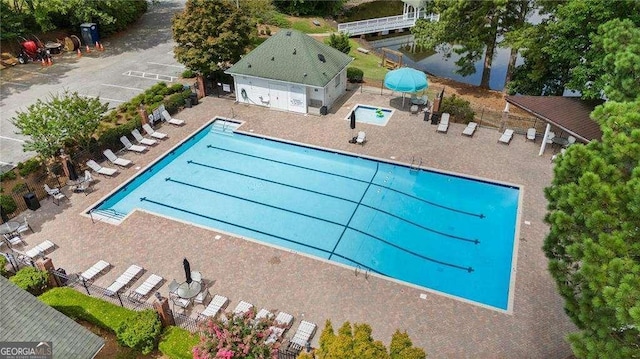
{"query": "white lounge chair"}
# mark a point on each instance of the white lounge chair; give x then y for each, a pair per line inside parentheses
(506, 136)
(470, 129)
(145, 288)
(282, 323)
(153, 133)
(124, 279)
(174, 121)
(215, 305)
(305, 332)
(95, 269)
(141, 140)
(531, 134)
(362, 137)
(242, 308)
(263, 314)
(443, 126)
(105, 171)
(131, 147)
(55, 194)
(40, 250)
(122, 162)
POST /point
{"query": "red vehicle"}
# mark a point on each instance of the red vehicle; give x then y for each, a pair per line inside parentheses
(32, 50)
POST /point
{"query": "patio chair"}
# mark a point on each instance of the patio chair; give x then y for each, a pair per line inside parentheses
(141, 140)
(550, 137)
(304, 333)
(153, 133)
(506, 136)
(570, 141)
(215, 305)
(95, 269)
(174, 121)
(85, 185)
(14, 239)
(124, 279)
(24, 227)
(201, 298)
(173, 286)
(145, 288)
(443, 126)
(40, 250)
(131, 147)
(531, 134)
(362, 137)
(470, 129)
(105, 171)
(118, 161)
(196, 276)
(282, 323)
(55, 194)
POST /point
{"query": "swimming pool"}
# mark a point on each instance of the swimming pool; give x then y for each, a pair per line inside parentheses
(372, 115)
(442, 232)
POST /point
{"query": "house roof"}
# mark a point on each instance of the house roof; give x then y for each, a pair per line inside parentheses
(571, 114)
(292, 56)
(25, 318)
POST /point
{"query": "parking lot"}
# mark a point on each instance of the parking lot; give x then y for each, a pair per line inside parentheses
(131, 62)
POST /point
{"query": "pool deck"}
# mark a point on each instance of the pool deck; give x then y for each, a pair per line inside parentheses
(314, 290)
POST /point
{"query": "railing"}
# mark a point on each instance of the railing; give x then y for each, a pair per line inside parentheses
(415, 164)
(383, 24)
(362, 269)
(106, 215)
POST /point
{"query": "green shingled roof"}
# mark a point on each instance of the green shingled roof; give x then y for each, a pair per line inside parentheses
(288, 56)
(26, 319)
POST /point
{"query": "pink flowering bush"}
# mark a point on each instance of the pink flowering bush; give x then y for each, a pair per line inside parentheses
(238, 337)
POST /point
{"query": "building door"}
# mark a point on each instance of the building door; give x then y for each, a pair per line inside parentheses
(279, 96)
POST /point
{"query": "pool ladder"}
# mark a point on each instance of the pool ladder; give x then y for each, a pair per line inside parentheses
(416, 163)
(361, 269)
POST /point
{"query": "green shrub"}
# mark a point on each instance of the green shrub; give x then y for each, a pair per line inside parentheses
(136, 101)
(277, 19)
(188, 74)
(20, 188)
(3, 266)
(401, 347)
(340, 42)
(158, 98)
(177, 343)
(354, 74)
(174, 102)
(140, 332)
(175, 88)
(110, 138)
(8, 176)
(31, 279)
(8, 203)
(458, 108)
(29, 166)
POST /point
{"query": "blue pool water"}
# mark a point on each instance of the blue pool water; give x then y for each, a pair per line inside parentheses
(442, 232)
(369, 114)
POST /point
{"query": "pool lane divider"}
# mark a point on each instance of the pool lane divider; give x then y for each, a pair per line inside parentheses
(475, 241)
(346, 177)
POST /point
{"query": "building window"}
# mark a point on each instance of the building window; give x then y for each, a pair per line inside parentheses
(337, 80)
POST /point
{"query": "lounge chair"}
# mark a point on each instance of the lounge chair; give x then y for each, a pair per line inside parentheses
(124, 279)
(470, 129)
(263, 314)
(362, 137)
(215, 305)
(122, 162)
(40, 250)
(151, 132)
(131, 147)
(242, 308)
(282, 323)
(24, 227)
(141, 140)
(105, 171)
(55, 194)
(95, 269)
(506, 136)
(145, 288)
(174, 121)
(531, 134)
(305, 332)
(443, 126)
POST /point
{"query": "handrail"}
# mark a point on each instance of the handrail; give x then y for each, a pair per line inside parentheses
(384, 23)
(115, 214)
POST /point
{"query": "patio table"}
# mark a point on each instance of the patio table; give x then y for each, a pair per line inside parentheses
(561, 141)
(9, 227)
(189, 290)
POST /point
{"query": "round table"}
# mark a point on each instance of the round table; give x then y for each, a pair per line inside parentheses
(9, 227)
(189, 290)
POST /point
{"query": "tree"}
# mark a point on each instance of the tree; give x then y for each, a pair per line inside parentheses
(593, 245)
(302, 7)
(64, 118)
(210, 35)
(401, 347)
(11, 22)
(339, 41)
(475, 27)
(559, 52)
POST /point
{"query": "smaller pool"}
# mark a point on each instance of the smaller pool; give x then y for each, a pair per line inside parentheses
(372, 115)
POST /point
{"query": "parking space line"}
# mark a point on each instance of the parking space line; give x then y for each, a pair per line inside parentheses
(123, 87)
(104, 98)
(168, 65)
(34, 72)
(150, 76)
(12, 139)
(6, 163)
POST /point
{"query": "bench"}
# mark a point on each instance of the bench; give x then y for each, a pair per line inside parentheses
(363, 50)
(316, 22)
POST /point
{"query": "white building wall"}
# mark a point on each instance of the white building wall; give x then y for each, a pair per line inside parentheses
(256, 90)
(334, 89)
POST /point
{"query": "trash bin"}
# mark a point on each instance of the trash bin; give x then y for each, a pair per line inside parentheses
(435, 118)
(194, 98)
(427, 114)
(187, 102)
(31, 200)
(89, 32)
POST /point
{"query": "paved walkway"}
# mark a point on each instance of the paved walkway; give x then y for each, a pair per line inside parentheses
(314, 290)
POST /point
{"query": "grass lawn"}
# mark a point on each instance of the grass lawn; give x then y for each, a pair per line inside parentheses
(368, 63)
(177, 343)
(306, 25)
